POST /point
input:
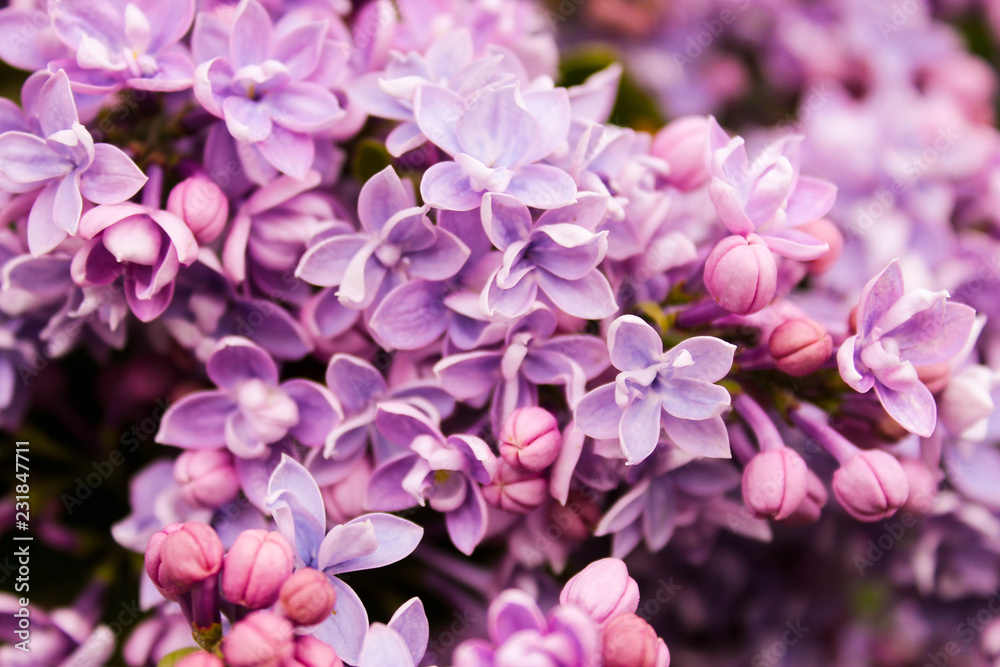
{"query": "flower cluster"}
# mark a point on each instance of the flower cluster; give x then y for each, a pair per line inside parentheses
(544, 321)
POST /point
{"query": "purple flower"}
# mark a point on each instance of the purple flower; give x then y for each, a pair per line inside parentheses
(529, 356)
(521, 634)
(896, 333)
(60, 158)
(397, 240)
(559, 254)
(143, 245)
(495, 140)
(446, 472)
(401, 642)
(672, 389)
(119, 45)
(767, 196)
(369, 541)
(260, 88)
(250, 409)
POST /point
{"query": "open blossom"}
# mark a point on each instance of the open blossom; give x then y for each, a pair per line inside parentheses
(369, 541)
(250, 409)
(59, 158)
(673, 390)
(118, 45)
(397, 240)
(259, 87)
(767, 195)
(496, 141)
(898, 331)
(558, 254)
(445, 472)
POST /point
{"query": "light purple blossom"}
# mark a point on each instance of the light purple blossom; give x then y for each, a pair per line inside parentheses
(397, 240)
(557, 254)
(496, 141)
(367, 542)
(897, 332)
(250, 409)
(444, 472)
(258, 83)
(402, 641)
(124, 45)
(59, 158)
(673, 390)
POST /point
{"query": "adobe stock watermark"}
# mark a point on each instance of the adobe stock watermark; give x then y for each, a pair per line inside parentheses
(773, 654)
(706, 33)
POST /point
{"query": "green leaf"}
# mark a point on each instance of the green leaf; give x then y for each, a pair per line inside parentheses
(172, 659)
(370, 157)
(208, 638)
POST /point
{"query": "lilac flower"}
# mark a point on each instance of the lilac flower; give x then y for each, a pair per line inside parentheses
(397, 240)
(60, 157)
(496, 140)
(529, 356)
(250, 409)
(260, 88)
(655, 389)
(134, 45)
(446, 472)
(402, 641)
(369, 541)
(521, 634)
(897, 332)
(767, 196)
(143, 245)
(559, 254)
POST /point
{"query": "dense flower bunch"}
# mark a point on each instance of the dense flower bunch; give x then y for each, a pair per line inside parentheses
(542, 323)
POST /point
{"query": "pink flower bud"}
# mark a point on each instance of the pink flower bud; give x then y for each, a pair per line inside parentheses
(311, 652)
(682, 145)
(307, 597)
(774, 483)
(516, 490)
(262, 639)
(923, 484)
(830, 234)
(629, 641)
(811, 507)
(935, 376)
(200, 659)
(154, 562)
(530, 438)
(189, 555)
(800, 347)
(603, 589)
(871, 486)
(741, 275)
(202, 204)
(256, 566)
(207, 477)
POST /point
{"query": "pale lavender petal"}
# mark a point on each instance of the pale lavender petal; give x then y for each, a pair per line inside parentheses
(363, 278)
(625, 511)
(936, 334)
(24, 158)
(319, 411)
(43, 232)
(469, 375)
(412, 315)
(295, 502)
(67, 205)
(505, 219)
(404, 137)
(511, 612)
(634, 344)
(250, 41)
(551, 109)
(382, 197)
(289, 152)
(197, 421)
(247, 120)
(401, 423)
(513, 132)
(345, 631)
(590, 297)
(693, 399)
(383, 646)
(112, 177)
(304, 107)
(446, 186)
(299, 49)
(711, 358)
(169, 21)
(344, 543)
(467, 524)
(913, 407)
(769, 192)
(326, 262)
(813, 198)
(795, 244)
(640, 428)
(354, 381)
(410, 622)
(238, 359)
(510, 303)
(729, 206)
(598, 415)
(659, 517)
(395, 540)
(440, 261)
(385, 487)
(542, 186)
(707, 437)
(149, 308)
(437, 110)
(878, 296)
(567, 250)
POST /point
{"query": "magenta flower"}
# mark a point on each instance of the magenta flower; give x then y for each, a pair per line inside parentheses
(495, 139)
(673, 390)
(897, 332)
(397, 240)
(117, 45)
(60, 158)
(260, 87)
(249, 410)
